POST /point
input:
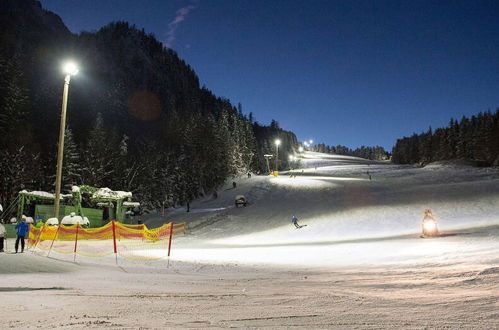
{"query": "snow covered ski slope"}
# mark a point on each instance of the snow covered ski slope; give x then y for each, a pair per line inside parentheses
(358, 264)
(357, 210)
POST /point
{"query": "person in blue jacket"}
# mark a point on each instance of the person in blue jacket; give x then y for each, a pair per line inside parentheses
(294, 220)
(22, 230)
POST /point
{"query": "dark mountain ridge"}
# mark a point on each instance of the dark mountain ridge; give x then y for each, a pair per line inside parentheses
(137, 117)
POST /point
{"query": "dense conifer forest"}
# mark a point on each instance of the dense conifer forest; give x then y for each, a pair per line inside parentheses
(372, 153)
(138, 119)
(475, 139)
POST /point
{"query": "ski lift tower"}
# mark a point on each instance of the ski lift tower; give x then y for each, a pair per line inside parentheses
(267, 156)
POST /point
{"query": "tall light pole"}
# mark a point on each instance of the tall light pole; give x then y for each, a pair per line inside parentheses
(69, 69)
(277, 143)
(267, 159)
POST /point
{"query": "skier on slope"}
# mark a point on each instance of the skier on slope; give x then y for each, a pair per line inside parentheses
(294, 220)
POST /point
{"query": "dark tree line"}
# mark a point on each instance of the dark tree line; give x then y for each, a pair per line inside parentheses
(137, 120)
(372, 153)
(265, 137)
(475, 139)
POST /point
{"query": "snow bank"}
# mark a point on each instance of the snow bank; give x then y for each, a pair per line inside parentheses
(73, 219)
(52, 222)
(28, 219)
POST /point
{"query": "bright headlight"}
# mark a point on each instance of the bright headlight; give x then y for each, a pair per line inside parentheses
(430, 225)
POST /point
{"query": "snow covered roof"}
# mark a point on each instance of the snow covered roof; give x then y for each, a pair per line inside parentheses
(104, 204)
(106, 193)
(131, 204)
(43, 194)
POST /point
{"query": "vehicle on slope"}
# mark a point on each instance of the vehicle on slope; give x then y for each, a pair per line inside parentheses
(430, 227)
(240, 200)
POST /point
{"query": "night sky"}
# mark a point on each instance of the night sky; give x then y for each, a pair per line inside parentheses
(339, 72)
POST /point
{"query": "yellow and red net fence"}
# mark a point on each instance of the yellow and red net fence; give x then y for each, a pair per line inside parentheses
(129, 241)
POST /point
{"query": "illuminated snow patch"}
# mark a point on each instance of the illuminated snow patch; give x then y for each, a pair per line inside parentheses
(309, 183)
(338, 178)
(361, 223)
(414, 250)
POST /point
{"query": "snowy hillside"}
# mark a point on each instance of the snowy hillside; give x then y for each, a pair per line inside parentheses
(335, 198)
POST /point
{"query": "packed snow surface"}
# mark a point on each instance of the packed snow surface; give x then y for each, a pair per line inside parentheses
(359, 262)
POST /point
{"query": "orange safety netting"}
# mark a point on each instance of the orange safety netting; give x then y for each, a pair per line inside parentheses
(129, 241)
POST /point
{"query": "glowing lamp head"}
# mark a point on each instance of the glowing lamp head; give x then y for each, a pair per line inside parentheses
(277, 142)
(70, 68)
(300, 149)
(311, 141)
(291, 157)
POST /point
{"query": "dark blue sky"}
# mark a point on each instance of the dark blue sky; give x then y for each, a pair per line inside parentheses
(339, 72)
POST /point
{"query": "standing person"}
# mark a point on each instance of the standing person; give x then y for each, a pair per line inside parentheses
(233, 184)
(22, 230)
(294, 220)
(2, 235)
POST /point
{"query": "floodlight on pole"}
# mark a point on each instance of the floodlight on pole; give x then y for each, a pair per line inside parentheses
(300, 149)
(69, 69)
(291, 159)
(277, 143)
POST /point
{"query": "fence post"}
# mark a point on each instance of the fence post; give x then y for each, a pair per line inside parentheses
(38, 239)
(76, 242)
(170, 241)
(55, 236)
(114, 242)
